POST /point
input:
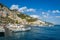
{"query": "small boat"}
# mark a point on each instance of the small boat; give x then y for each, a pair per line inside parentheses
(18, 27)
(51, 25)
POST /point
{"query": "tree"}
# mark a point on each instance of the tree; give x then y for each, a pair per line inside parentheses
(17, 22)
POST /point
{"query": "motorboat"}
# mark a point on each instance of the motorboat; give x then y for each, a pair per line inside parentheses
(18, 27)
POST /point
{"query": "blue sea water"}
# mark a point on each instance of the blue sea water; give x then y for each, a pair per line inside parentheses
(37, 33)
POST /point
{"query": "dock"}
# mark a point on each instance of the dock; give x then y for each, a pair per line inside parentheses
(9, 29)
(2, 29)
(7, 32)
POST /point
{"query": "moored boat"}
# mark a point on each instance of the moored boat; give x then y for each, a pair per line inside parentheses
(18, 27)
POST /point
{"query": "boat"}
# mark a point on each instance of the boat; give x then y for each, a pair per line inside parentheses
(51, 25)
(18, 27)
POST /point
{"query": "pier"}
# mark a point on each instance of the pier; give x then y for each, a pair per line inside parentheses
(9, 29)
(7, 32)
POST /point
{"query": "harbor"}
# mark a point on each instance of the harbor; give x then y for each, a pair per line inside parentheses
(36, 33)
(29, 20)
(9, 29)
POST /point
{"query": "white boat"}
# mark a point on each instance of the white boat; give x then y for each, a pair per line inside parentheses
(51, 25)
(18, 27)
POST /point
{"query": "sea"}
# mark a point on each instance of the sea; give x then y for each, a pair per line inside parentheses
(36, 33)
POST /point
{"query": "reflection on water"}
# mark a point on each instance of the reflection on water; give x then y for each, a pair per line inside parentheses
(19, 36)
(37, 33)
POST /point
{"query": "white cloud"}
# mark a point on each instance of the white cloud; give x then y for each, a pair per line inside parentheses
(14, 7)
(45, 16)
(25, 9)
(22, 9)
(43, 13)
(57, 16)
(49, 11)
(35, 16)
(55, 11)
(31, 10)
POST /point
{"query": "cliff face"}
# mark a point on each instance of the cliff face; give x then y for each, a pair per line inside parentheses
(13, 16)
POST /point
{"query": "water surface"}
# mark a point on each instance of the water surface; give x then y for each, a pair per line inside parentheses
(37, 33)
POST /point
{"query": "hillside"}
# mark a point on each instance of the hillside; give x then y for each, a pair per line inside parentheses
(13, 16)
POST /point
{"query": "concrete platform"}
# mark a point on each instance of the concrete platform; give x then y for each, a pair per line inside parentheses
(2, 29)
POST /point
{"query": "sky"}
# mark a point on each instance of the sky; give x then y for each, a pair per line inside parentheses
(46, 10)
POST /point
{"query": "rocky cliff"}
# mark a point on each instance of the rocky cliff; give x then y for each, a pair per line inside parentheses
(13, 16)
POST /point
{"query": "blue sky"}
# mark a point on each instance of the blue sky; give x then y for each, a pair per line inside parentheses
(46, 10)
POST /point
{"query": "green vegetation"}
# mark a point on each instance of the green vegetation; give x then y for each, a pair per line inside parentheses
(31, 20)
(28, 18)
(49, 23)
(16, 22)
(6, 20)
(23, 16)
